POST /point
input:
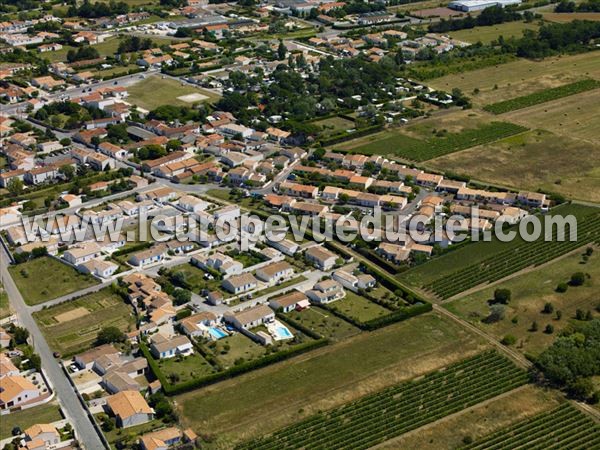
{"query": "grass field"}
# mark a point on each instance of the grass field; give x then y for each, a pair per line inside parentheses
(574, 116)
(106, 48)
(325, 378)
(569, 17)
(492, 33)
(574, 173)
(47, 413)
(75, 330)
(239, 346)
(334, 125)
(478, 422)
(43, 279)
(530, 292)
(434, 137)
(324, 323)
(475, 253)
(358, 307)
(522, 77)
(155, 91)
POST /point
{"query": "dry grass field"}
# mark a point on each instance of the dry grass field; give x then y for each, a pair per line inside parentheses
(492, 33)
(478, 421)
(569, 17)
(575, 116)
(534, 160)
(521, 77)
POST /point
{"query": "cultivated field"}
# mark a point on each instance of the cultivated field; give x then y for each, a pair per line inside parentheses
(392, 412)
(533, 160)
(562, 428)
(479, 421)
(431, 138)
(481, 262)
(156, 91)
(575, 116)
(530, 292)
(69, 332)
(43, 279)
(513, 79)
(492, 33)
(325, 378)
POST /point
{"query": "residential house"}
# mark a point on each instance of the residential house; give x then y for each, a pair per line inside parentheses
(251, 317)
(163, 347)
(321, 257)
(87, 359)
(16, 390)
(161, 439)
(353, 282)
(82, 253)
(289, 302)
(45, 432)
(198, 324)
(326, 291)
(152, 255)
(129, 408)
(238, 284)
(275, 272)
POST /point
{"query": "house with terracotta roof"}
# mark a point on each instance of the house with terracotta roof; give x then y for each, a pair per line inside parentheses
(289, 302)
(16, 390)
(45, 432)
(129, 408)
(161, 439)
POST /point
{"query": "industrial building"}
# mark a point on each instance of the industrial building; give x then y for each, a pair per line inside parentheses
(478, 5)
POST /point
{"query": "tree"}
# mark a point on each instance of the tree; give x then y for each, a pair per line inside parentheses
(509, 339)
(65, 142)
(501, 296)
(67, 171)
(281, 51)
(549, 329)
(497, 313)
(181, 296)
(534, 326)
(558, 315)
(20, 335)
(577, 279)
(562, 287)
(109, 335)
(548, 308)
(15, 186)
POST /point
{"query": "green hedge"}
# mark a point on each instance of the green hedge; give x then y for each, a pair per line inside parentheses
(133, 248)
(343, 137)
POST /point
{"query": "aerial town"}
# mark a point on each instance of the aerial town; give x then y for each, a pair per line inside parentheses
(299, 224)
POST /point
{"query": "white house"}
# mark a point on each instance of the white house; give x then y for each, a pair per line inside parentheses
(82, 253)
(163, 347)
(275, 272)
(251, 317)
(240, 283)
(326, 292)
(321, 257)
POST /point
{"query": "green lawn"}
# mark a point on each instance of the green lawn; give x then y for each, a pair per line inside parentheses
(47, 413)
(289, 391)
(358, 307)
(43, 279)
(4, 303)
(155, 91)
(334, 125)
(186, 369)
(231, 348)
(116, 434)
(530, 292)
(324, 323)
(72, 327)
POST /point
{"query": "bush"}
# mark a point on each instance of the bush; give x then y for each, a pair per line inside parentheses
(549, 329)
(577, 279)
(548, 308)
(502, 296)
(562, 287)
(509, 339)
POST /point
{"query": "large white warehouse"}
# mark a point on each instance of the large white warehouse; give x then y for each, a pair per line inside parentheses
(478, 5)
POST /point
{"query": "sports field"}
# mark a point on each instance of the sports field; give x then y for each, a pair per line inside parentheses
(493, 32)
(43, 279)
(72, 327)
(533, 160)
(513, 79)
(530, 292)
(156, 91)
(323, 379)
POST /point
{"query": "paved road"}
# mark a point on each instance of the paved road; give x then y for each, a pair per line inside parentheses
(67, 398)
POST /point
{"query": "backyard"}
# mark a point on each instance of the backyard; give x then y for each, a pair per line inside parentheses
(45, 278)
(47, 413)
(72, 327)
(324, 323)
(180, 370)
(358, 307)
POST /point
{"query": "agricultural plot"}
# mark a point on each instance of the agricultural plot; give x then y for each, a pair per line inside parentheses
(531, 291)
(317, 381)
(543, 96)
(562, 428)
(574, 173)
(394, 411)
(477, 252)
(521, 77)
(491, 33)
(575, 116)
(522, 255)
(72, 327)
(425, 148)
(45, 278)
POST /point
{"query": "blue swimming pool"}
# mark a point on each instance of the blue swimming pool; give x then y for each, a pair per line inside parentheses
(283, 333)
(217, 333)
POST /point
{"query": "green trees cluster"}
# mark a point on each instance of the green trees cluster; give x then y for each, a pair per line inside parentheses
(94, 10)
(82, 54)
(489, 16)
(130, 44)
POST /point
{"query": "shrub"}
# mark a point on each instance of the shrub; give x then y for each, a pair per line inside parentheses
(502, 296)
(577, 279)
(509, 339)
(562, 287)
(548, 308)
(549, 329)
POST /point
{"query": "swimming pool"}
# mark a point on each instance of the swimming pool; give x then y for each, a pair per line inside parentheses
(282, 332)
(217, 333)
